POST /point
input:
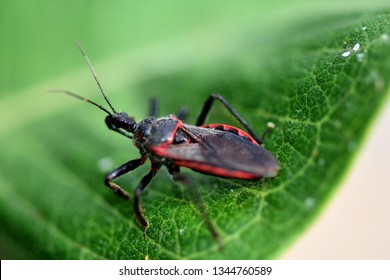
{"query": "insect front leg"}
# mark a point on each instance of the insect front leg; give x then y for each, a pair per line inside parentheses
(123, 169)
(207, 107)
(137, 193)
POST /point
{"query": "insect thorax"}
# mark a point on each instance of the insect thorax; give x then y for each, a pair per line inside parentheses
(152, 132)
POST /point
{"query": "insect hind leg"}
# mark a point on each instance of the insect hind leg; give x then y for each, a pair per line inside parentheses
(207, 107)
(184, 180)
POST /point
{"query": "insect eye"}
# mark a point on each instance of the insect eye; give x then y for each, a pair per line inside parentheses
(121, 120)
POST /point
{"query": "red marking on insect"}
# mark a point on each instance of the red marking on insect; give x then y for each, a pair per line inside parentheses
(231, 129)
(215, 149)
(219, 150)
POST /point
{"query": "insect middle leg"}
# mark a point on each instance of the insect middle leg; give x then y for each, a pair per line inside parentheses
(153, 110)
(182, 114)
(207, 107)
(121, 170)
(153, 107)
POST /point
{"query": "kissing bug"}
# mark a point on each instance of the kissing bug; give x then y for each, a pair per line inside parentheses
(215, 149)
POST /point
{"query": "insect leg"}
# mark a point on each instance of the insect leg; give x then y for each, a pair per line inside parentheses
(123, 169)
(184, 180)
(182, 114)
(153, 109)
(207, 107)
(137, 192)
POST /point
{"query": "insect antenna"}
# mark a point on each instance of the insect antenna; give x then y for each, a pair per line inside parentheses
(83, 99)
(95, 76)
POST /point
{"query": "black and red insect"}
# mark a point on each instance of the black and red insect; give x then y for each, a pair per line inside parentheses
(215, 149)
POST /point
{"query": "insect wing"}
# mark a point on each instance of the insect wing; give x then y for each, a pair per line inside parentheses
(222, 153)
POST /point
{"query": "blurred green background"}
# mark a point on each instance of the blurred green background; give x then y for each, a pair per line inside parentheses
(130, 43)
(37, 39)
(37, 36)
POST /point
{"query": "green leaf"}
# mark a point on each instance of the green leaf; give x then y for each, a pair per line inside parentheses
(321, 81)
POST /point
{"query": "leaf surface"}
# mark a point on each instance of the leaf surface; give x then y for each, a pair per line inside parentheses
(321, 85)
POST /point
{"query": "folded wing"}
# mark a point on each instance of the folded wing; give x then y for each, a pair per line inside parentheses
(222, 153)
